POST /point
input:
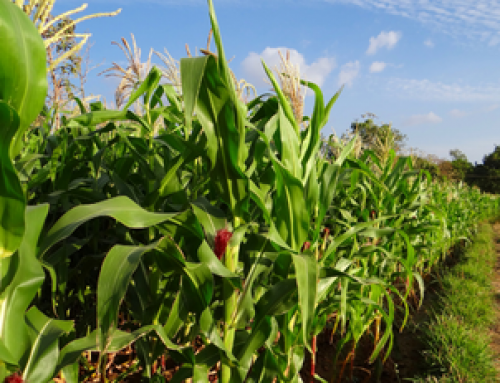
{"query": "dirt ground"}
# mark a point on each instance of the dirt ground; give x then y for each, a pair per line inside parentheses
(495, 331)
(405, 361)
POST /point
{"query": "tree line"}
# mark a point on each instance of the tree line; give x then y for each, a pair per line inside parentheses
(458, 168)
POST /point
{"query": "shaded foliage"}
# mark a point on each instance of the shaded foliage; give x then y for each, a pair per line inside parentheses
(486, 176)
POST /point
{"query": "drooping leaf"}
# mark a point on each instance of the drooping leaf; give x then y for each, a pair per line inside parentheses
(23, 71)
(12, 199)
(44, 336)
(114, 278)
(28, 276)
(122, 209)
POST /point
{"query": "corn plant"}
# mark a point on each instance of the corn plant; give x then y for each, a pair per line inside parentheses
(205, 229)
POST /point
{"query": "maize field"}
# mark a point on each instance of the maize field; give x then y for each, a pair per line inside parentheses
(202, 229)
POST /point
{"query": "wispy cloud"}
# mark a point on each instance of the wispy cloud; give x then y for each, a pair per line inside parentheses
(478, 19)
(377, 66)
(304, 43)
(473, 18)
(439, 91)
(429, 43)
(419, 119)
(458, 113)
(490, 108)
(316, 71)
(348, 72)
(383, 40)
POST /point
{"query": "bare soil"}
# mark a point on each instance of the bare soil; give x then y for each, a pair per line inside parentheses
(495, 331)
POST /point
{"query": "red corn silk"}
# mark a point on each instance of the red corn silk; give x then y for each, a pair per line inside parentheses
(306, 246)
(221, 239)
(326, 232)
(14, 378)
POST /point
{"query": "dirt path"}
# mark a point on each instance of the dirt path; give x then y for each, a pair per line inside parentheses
(495, 331)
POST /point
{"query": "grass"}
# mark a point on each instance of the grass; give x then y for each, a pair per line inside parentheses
(457, 334)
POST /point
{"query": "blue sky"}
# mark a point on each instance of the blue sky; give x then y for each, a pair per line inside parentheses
(431, 68)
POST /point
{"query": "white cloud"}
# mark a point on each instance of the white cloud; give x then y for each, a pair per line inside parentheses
(304, 43)
(429, 43)
(316, 72)
(494, 40)
(479, 19)
(384, 39)
(348, 72)
(457, 113)
(419, 119)
(437, 91)
(490, 108)
(377, 66)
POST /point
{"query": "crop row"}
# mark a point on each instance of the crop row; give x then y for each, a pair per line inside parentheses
(227, 241)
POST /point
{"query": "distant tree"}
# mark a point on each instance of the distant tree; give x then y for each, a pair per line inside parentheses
(446, 170)
(487, 175)
(457, 154)
(370, 133)
(438, 168)
(421, 163)
(492, 160)
(461, 165)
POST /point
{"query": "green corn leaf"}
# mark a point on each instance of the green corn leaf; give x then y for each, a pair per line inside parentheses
(147, 86)
(172, 96)
(44, 336)
(122, 209)
(27, 278)
(351, 232)
(311, 139)
(197, 289)
(208, 356)
(12, 199)
(6, 356)
(208, 258)
(246, 308)
(290, 146)
(238, 109)
(209, 329)
(312, 191)
(277, 300)
(290, 214)
(118, 340)
(3, 371)
(98, 117)
(248, 345)
(306, 271)
(289, 219)
(23, 72)
(210, 217)
(287, 108)
(197, 283)
(265, 369)
(192, 71)
(71, 372)
(102, 116)
(209, 96)
(116, 272)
